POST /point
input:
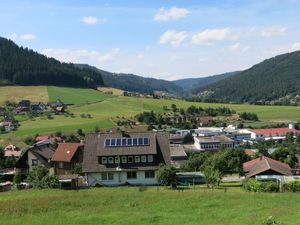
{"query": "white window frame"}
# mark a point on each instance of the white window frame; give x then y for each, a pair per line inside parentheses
(107, 176)
(148, 177)
(150, 158)
(137, 159)
(143, 159)
(110, 160)
(130, 157)
(124, 159)
(104, 160)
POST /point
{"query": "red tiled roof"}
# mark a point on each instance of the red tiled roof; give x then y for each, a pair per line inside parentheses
(261, 164)
(65, 152)
(42, 138)
(274, 131)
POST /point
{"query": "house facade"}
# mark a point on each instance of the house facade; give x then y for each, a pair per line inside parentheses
(38, 154)
(66, 157)
(213, 143)
(113, 159)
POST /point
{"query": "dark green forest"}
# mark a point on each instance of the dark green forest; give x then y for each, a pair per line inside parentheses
(269, 80)
(23, 66)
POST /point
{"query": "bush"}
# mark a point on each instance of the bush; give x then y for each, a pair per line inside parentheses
(270, 221)
(261, 186)
(293, 186)
(18, 178)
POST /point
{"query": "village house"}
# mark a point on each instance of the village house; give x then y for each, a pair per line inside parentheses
(115, 159)
(66, 157)
(23, 106)
(12, 151)
(265, 166)
(39, 153)
(178, 155)
(213, 143)
(57, 106)
(272, 133)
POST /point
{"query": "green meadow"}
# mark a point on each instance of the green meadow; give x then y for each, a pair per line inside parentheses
(145, 206)
(103, 108)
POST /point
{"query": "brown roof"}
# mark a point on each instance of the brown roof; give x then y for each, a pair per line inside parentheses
(94, 147)
(65, 152)
(262, 164)
(177, 150)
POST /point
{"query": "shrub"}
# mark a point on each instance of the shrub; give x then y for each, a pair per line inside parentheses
(270, 221)
(18, 178)
(261, 186)
(293, 186)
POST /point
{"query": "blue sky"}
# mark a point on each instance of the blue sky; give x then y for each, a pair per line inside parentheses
(161, 39)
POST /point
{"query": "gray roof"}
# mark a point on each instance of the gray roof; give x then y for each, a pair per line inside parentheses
(177, 150)
(215, 139)
(94, 147)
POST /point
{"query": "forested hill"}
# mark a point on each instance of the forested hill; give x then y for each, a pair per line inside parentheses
(192, 83)
(134, 83)
(269, 80)
(22, 66)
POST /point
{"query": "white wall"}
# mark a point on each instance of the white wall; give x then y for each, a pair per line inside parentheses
(120, 177)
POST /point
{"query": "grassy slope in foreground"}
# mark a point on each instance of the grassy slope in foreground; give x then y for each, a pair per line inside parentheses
(155, 205)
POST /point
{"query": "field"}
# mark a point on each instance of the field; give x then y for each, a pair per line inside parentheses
(154, 205)
(17, 93)
(104, 108)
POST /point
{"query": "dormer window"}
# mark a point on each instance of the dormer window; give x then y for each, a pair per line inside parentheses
(117, 159)
(110, 160)
(143, 159)
(124, 159)
(130, 159)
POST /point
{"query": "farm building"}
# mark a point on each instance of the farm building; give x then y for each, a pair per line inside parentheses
(266, 166)
(114, 159)
(272, 133)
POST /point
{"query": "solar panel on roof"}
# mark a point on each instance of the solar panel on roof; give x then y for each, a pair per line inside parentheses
(134, 141)
(111, 142)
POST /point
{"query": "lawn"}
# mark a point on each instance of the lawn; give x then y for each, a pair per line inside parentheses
(154, 205)
(76, 96)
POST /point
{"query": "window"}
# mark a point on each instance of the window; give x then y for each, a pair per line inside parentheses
(130, 159)
(141, 141)
(110, 160)
(61, 165)
(113, 142)
(103, 160)
(134, 141)
(150, 174)
(34, 162)
(107, 176)
(131, 175)
(117, 159)
(107, 142)
(118, 142)
(124, 159)
(146, 141)
(129, 141)
(143, 159)
(150, 158)
(137, 159)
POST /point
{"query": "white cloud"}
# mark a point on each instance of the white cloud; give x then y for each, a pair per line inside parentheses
(210, 36)
(173, 38)
(273, 31)
(174, 58)
(23, 37)
(81, 55)
(235, 46)
(91, 20)
(173, 13)
(296, 46)
(140, 56)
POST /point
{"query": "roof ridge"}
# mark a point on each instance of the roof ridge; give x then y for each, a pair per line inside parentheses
(266, 159)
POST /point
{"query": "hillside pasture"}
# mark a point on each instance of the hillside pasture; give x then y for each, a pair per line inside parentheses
(148, 205)
(77, 96)
(18, 93)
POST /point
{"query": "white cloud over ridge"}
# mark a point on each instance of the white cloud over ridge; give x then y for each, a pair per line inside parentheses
(274, 31)
(173, 13)
(22, 37)
(210, 36)
(173, 38)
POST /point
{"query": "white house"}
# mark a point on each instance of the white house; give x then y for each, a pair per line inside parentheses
(213, 143)
(113, 159)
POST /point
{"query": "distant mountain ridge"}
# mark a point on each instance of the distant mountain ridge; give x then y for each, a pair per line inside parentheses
(192, 83)
(135, 83)
(269, 80)
(22, 66)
